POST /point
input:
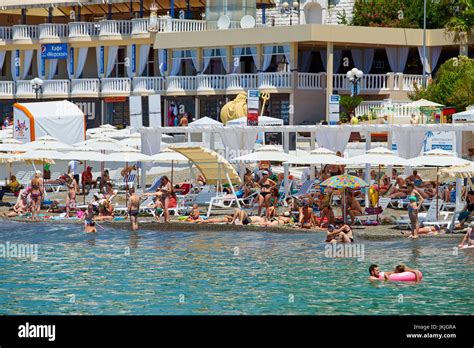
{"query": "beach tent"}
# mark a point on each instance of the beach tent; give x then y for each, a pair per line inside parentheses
(62, 120)
(464, 116)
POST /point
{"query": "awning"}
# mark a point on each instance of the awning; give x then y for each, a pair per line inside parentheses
(212, 166)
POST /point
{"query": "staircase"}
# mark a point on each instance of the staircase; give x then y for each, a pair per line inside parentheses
(339, 6)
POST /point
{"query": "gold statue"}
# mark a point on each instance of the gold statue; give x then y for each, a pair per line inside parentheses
(234, 109)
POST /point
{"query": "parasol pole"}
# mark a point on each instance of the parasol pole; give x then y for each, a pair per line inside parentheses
(172, 173)
(84, 186)
(126, 185)
(378, 186)
(437, 192)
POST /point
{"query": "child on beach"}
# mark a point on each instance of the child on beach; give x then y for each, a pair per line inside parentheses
(133, 208)
(89, 224)
(195, 216)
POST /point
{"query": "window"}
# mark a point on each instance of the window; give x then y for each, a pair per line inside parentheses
(150, 64)
(214, 60)
(244, 59)
(119, 68)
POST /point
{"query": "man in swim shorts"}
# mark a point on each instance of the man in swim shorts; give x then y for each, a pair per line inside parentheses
(375, 273)
(133, 208)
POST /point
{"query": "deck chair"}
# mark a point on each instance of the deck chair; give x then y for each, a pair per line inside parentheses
(228, 200)
(154, 186)
(89, 198)
(304, 189)
(25, 180)
(361, 219)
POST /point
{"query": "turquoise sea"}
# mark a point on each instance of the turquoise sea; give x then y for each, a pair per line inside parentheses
(150, 272)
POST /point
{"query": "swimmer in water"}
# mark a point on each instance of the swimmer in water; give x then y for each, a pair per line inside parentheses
(375, 272)
(89, 224)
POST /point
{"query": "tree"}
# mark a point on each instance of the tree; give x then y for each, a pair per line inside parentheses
(453, 84)
(349, 104)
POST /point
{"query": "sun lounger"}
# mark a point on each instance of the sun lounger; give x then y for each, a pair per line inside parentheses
(154, 186)
(89, 198)
(404, 221)
(361, 219)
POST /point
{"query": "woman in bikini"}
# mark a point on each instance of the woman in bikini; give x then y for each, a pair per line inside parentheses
(195, 216)
(265, 185)
(272, 204)
(165, 191)
(72, 188)
(106, 211)
(306, 217)
(36, 195)
(326, 208)
(21, 206)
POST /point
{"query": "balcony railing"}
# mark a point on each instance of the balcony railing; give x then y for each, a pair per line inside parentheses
(409, 81)
(6, 89)
(369, 82)
(379, 107)
(180, 25)
(56, 88)
(24, 89)
(151, 84)
(140, 26)
(5, 33)
(83, 29)
(52, 31)
(311, 81)
(181, 84)
(24, 32)
(206, 83)
(116, 86)
(112, 27)
(241, 82)
(85, 87)
(275, 80)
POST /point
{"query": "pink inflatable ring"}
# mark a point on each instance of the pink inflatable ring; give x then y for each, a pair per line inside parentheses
(401, 277)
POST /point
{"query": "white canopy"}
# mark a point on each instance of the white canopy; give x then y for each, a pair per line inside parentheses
(10, 145)
(45, 142)
(262, 121)
(319, 156)
(464, 116)
(265, 153)
(422, 103)
(84, 153)
(378, 156)
(437, 158)
(41, 155)
(169, 155)
(127, 157)
(204, 121)
(105, 144)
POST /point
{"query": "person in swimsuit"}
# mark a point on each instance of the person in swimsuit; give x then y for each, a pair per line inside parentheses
(110, 193)
(21, 206)
(106, 211)
(72, 188)
(165, 191)
(265, 185)
(375, 272)
(225, 219)
(244, 219)
(466, 213)
(306, 217)
(133, 208)
(36, 195)
(413, 209)
(340, 235)
(89, 224)
(353, 206)
(326, 208)
(195, 216)
(468, 238)
(273, 199)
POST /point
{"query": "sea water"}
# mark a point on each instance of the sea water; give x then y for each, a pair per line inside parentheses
(116, 271)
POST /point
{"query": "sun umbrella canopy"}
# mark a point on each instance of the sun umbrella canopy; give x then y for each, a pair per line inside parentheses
(41, 155)
(320, 155)
(463, 172)
(169, 155)
(212, 166)
(127, 157)
(437, 158)
(10, 145)
(265, 153)
(344, 181)
(45, 143)
(423, 103)
(105, 144)
(83, 154)
(9, 158)
(378, 156)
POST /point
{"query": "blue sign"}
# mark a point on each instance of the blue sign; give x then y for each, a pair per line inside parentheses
(134, 57)
(42, 67)
(165, 60)
(17, 63)
(71, 61)
(101, 59)
(334, 98)
(54, 51)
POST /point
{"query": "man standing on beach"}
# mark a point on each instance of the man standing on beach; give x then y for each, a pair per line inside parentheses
(72, 169)
(133, 208)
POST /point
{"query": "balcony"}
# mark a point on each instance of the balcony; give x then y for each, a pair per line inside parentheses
(237, 83)
(85, 88)
(7, 89)
(5, 33)
(181, 25)
(115, 28)
(140, 26)
(53, 32)
(24, 90)
(83, 30)
(409, 81)
(181, 85)
(211, 84)
(148, 85)
(311, 81)
(56, 89)
(275, 82)
(24, 32)
(115, 87)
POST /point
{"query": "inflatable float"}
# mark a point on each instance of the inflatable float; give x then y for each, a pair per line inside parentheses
(401, 277)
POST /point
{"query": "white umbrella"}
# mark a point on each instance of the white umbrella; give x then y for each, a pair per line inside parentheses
(127, 157)
(169, 155)
(104, 144)
(265, 153)
(320, 155)
(463, 172)
(10, 145)
(45, 143)
(422, 103)
(437, 158)
(41, 155)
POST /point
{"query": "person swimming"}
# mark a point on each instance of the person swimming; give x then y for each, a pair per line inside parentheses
(375, 273)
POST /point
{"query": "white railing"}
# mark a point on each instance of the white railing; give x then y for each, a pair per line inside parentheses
(181, 83)
(85, 87)
(379, 108)
(83, 29)
(211, 82)
(56, 88)
(369, 82)
(275, 80)
(311, 80)
(148, 84)
(340, 81)
(24, 89)
(116, 85)
(181, 25)
(5, 33)
(7, 88)
(140, 25)
(410, 80)
(52, 31)
(112, 27)
(24, 32)
(242, 81)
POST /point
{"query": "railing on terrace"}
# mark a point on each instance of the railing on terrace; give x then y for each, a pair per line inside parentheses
(181, 83)
(148, 84)
(56, 88)
(113, 27)
(83, 29)
(409, 81)
(5, 33)
(24, 89)
(311, 80)
(275, 80)
(85, 87)
(380, 107)
(24, 32)
(7, 88)
(52, 31)
(180, 25)
(140, 26)
(211, 82)
(241, 81)
(116, 85)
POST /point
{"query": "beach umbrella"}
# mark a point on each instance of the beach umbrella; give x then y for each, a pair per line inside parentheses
(169, 155)
(462, 172)
(10, 145)
(343, 182)
(437, 158)
(103, 144)
(265, 153)
(423, 103)
(45, 143)
(320, 155)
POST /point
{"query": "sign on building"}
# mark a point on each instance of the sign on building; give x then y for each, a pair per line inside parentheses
(54, 51)
(334, 101)
(253, 98)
